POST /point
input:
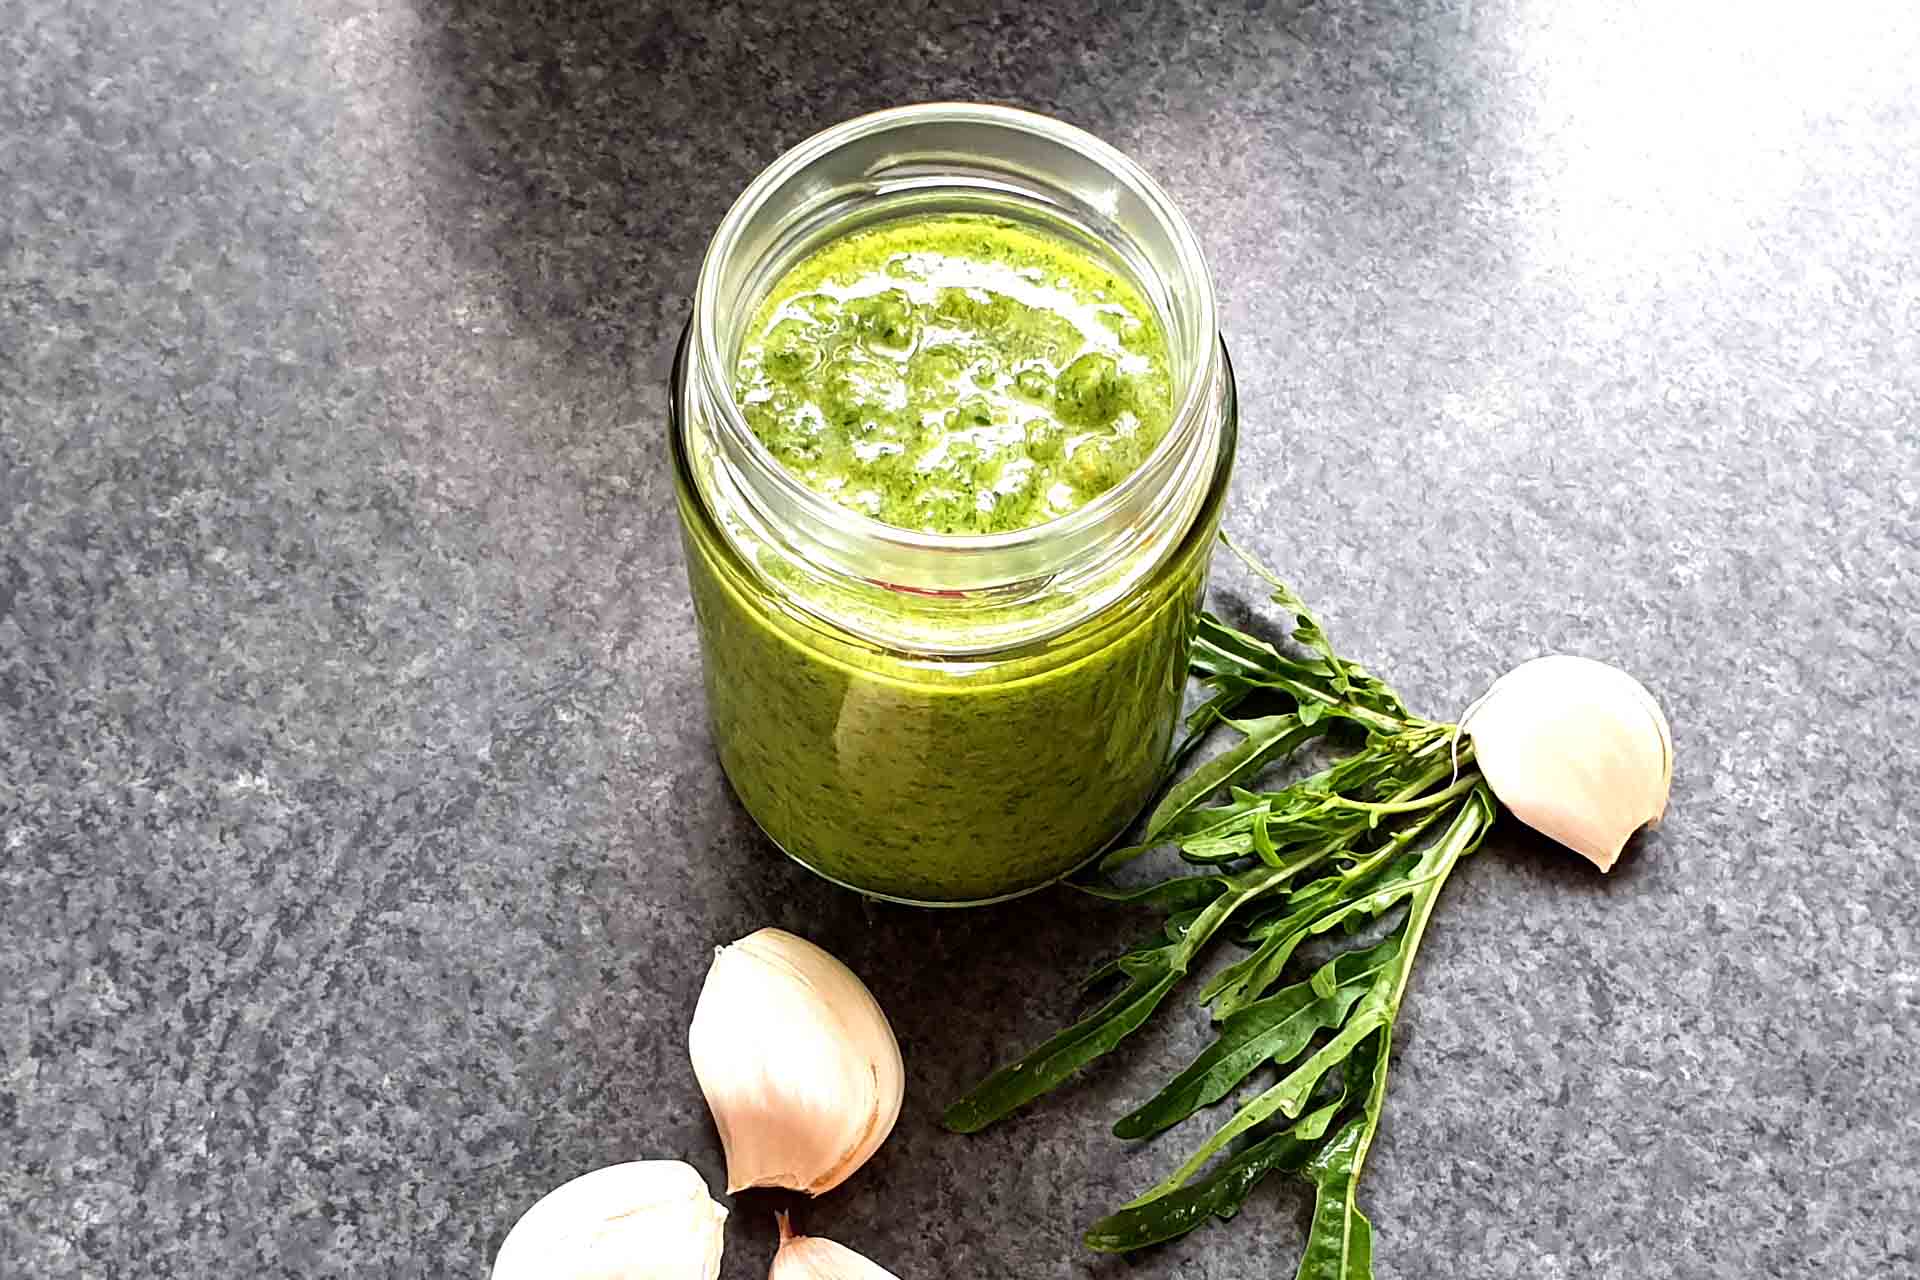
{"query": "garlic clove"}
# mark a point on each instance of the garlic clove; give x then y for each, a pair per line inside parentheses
(797, 1061)
(1576, 749)
(811, 1258)
(646, 1220)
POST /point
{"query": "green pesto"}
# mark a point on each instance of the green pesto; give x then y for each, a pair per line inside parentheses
(941, 782)
(956, 374)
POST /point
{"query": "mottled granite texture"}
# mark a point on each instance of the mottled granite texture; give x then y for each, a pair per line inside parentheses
(360, 839)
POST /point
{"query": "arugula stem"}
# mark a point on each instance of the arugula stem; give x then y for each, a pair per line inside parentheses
(1408, 806)
(1333, 702)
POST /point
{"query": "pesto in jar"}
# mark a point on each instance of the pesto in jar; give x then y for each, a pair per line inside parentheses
(934, 781)
(962, 375)
(955, 375)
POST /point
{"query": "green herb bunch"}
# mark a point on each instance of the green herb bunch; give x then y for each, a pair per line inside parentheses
(1353, 856)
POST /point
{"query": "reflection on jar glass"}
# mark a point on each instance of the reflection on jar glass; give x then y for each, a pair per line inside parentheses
(952, 426)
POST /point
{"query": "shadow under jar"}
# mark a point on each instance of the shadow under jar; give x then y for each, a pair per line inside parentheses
(930, 717)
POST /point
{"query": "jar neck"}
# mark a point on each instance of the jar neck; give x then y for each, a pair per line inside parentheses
(982, 624)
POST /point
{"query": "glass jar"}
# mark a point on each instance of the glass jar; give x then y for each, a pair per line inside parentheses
(946, 719)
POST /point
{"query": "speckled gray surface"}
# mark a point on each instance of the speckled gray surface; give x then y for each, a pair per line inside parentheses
(360, 839)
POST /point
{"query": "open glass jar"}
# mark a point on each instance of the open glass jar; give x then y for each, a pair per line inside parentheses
(931, 718)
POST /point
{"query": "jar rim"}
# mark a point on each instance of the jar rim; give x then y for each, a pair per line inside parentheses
(1200, 339)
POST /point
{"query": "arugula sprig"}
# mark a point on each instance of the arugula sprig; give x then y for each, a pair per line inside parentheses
(1326, 857)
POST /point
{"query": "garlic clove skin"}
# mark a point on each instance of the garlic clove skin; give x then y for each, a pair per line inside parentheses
(811, 1258)
(1576, 749)
(797, 1061)
(646, 1220)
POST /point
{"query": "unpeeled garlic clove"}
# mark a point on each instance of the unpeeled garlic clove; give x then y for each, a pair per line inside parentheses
(811, 1258)
(798, 1063)
(1576, 749)
(647, 1220)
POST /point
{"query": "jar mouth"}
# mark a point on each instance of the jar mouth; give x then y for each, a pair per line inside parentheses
(939, 156)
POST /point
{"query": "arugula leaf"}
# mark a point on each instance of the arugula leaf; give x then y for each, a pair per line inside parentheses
(1013, 1087)
(1263, 839)
(1340, 1241)
(1229, 693)
(1152, 975)
(1218, 819)
(1307, 629)
(1126, 962)
(1262, 741)
(1221, 651)
(1307, 907)
(1265, 739)
(1181, 893)
(1289, 1096)
(1272, 1030)
(1219, 1195)
(1212, 852)
(1170, 1211)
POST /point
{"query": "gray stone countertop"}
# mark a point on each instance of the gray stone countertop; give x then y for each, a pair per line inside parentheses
(361, 840)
